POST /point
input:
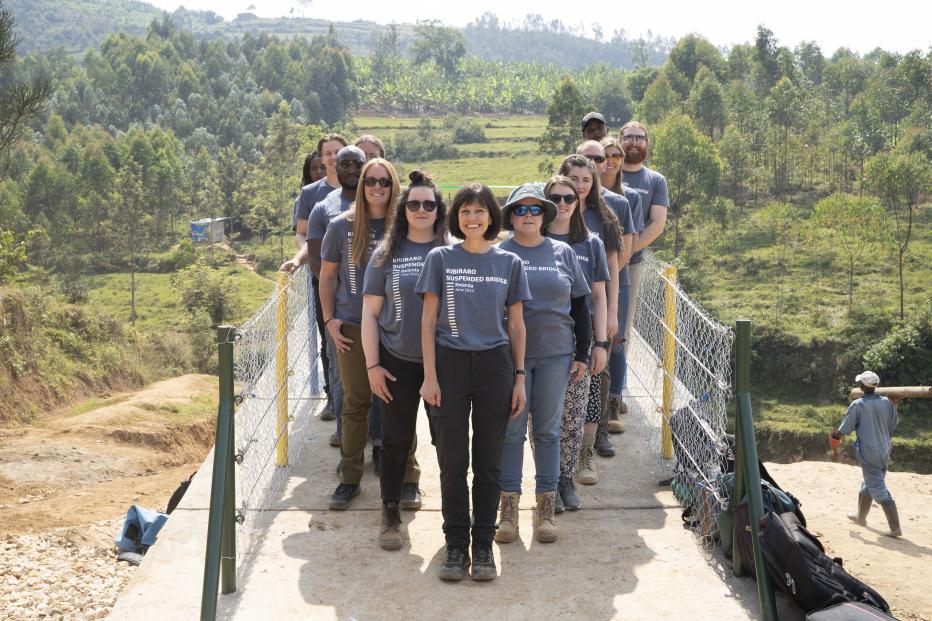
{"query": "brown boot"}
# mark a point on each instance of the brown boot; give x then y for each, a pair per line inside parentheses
(585, 471)
(390, 534)
(893, 519)
(545, 527)
(864, 506)
(615, 424)
(508, 518)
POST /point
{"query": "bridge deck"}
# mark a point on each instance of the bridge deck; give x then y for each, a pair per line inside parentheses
(624, 555)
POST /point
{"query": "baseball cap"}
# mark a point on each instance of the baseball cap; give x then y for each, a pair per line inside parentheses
(528, 190)
(868, 378)
(593, 116)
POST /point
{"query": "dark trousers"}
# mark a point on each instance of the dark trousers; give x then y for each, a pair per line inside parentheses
(322, 330)
(477, 383)
(399, 424)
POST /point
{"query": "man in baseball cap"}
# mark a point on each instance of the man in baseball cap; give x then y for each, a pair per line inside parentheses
(594, 126)
(873, 417)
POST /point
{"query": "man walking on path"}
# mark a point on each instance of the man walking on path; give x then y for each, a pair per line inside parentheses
(873, 417)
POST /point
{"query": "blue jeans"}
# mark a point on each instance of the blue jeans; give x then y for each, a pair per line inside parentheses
(336, 396)
(545, 385)
(617, 363)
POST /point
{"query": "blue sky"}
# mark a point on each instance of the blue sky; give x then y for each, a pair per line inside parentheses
(894, 25)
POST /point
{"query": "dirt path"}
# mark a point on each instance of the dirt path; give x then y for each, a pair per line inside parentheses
(895, 567)
(69, 470)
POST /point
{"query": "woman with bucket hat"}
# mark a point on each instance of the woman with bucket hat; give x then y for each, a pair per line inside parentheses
(559, 332)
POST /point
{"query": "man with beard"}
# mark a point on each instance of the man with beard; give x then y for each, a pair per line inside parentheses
(652, 188)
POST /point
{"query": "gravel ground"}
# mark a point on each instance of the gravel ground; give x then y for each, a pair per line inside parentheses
(68, 573)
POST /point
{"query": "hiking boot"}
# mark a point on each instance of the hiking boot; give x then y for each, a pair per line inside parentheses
(327, 413)
(508, 517)
(335, 439)
(567, 491)
(390, 534)
(410, 497)
(545, 528)
(585, 471)
(558, 506)
(893, 519)
(377, 460)
(622, 406)
(343, 496)
(614, 424)
(864, 506)
(483, 562)
(602, 444)
(455, 564)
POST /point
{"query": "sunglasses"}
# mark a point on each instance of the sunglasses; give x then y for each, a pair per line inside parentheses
(414, 206)
(371, 182)
(569, 199)
(349, 165)
(598, 159)
(523, 210)
(614, 156)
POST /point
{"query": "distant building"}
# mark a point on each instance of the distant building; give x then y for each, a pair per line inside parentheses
(208, 230)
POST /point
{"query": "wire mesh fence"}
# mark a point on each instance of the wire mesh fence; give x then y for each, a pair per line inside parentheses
(697, 383)
(277, 381)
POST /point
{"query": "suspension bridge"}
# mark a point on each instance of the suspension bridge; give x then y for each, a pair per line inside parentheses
(253, 537)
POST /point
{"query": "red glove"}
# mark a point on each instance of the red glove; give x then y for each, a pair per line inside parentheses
(833, 444)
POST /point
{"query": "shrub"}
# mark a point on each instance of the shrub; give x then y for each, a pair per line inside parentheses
(904, 356)
(203, 288)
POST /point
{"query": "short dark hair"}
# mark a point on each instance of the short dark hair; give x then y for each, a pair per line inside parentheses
(329, 138)
(481, 195)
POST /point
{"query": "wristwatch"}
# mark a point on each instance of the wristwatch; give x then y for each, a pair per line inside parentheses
(606, 345)
(520, 372)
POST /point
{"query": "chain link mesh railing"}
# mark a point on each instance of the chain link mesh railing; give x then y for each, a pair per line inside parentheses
(277, 382)
(680, 358)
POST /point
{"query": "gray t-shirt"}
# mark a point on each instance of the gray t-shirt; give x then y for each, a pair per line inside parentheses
(591, 256)
(873, 417)
(593, 221)
(337, 247)
(554, 277)
(310, 195)
(652, 186)
(475, 291)
(394, 280)
(622, 208)
(324, 212)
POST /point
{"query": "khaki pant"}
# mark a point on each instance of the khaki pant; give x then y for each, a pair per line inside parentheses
(357, 399)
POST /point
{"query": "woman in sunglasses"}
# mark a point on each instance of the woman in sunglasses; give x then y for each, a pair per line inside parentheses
(472, 336)
(582, 395)
(391, 339)
(559, 332)
(604, 223)
(345, 251)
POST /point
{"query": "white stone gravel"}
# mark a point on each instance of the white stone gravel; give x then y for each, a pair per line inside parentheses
(69, 573)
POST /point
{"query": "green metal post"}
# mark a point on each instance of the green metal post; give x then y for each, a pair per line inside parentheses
(221, 544)
(740, 491)
(748, 449)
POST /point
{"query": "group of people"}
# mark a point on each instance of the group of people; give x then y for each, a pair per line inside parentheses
(512, 319)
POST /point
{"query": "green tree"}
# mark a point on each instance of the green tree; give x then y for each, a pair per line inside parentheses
(693, 52)
(785, 107)
(659, 100)
(610, 97)
(132, 224)
(902, 181)
(20, 101)
(690, 163)
(564, 112)
(281, 151)
(778, 219)
(706, 103)
(441, 44)
(853, 222)
(204, 288)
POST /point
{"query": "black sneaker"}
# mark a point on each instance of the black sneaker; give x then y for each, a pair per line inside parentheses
(343, 496)
(603, 446)
(327, 413)
(410, 497)
(571, 499)
(455, 563)
(483, 563)
(377, 460)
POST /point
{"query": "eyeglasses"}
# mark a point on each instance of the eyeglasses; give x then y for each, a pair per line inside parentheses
(349, 165)
(371, 182)
(634, 138)
(523, 210)
(598, 159)
(428, 206)
(615, 156)
(569, 199)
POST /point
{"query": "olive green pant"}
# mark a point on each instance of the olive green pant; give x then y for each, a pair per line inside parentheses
(357, 399)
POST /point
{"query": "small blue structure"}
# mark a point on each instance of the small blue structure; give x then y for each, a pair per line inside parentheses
(208, 230)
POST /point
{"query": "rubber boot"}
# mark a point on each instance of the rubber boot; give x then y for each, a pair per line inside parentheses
(545, 527)
(864, 506)
(508, 518)
(893, 518)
